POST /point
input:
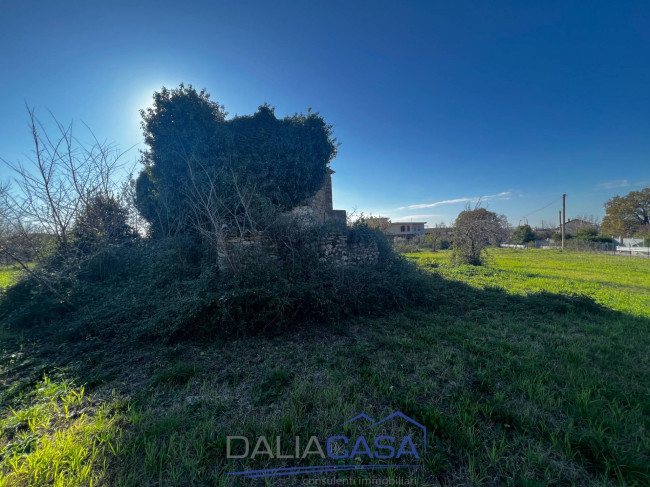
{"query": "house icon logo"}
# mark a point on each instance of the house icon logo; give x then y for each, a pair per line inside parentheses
(396, 414)
(395, 441)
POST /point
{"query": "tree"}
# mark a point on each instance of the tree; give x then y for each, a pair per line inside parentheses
(590, 234)
(103, 221)
(437, 237)
(229, 168)
(523, 234)
(377, 222)
(51, 192)
(628, 215)
(60, 178)
(587, 233)
(474, 229)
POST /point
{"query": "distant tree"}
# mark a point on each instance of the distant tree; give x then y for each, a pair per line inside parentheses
(545, 225)
(378, 222)
(438, 237)
(203, 171)
(628, 215)
(475, 229)
(523, 234)
(557, 237)
(586, 233)
(543, 233)
(590, 234)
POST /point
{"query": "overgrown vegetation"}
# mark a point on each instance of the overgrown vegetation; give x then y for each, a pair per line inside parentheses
(244, 263)
(170, 289)
(531, 371)
(222, 178)
(127, 360)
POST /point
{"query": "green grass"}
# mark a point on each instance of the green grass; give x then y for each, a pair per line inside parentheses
(616, 282)
(8, 276)
(58, 437)
(533, 370)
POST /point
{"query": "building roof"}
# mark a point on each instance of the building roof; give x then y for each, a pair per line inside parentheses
(408, 223)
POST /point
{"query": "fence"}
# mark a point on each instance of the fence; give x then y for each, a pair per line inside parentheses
(582, 245)
(576, 244)
(628, 242)
(585, 246)
(633, 251)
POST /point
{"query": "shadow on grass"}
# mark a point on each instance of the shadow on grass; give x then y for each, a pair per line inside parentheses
(529, 390)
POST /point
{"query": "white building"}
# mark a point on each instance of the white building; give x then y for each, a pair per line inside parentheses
(405, 229)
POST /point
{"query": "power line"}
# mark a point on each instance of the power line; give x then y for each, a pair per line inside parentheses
(542, 208)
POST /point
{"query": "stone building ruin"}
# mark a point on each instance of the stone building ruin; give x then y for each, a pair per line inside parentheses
(318, 210)
(320, 207)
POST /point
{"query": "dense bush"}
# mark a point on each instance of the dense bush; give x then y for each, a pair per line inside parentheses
(101, 222)
(523, 234)
(425, 242)
(590, 234)
(360, 232)
(246, 163)
(172, 289)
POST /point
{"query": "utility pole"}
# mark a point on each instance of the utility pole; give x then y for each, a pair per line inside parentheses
(559, 225)
(563, 219)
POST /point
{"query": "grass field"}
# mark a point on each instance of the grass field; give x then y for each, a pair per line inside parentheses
(534, 370)
(8, 276)
(616, 282)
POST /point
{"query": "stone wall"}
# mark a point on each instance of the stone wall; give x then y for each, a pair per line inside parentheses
(334, 247)
(337, 248)
(320, 207)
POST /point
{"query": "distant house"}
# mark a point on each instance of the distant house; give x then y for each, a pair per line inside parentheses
(544, 233)
(571, 227)
(405, 229)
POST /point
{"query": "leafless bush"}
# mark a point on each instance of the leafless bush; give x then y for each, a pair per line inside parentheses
(474, 229)
(49, 191)
(227, 213)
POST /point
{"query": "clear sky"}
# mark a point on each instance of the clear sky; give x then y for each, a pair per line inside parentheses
(435, 103)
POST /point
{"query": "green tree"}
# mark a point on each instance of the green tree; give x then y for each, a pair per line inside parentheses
(179, 128)
(523, 234)
(628, 215)
(379, 223)
(473, 231)
(588, 233)
(101, 222)
(239, 165)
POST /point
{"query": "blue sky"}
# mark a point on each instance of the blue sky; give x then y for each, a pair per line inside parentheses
(435, 103)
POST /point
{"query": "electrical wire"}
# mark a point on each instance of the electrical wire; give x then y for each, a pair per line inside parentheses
(542, 208)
